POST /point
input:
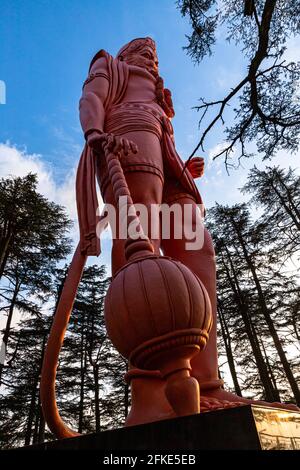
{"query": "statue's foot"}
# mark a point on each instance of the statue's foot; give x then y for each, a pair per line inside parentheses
(218, 398)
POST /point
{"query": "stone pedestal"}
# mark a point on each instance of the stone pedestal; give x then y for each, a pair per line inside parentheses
(243, 428)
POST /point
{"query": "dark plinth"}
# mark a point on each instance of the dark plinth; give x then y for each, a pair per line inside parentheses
(243, 428)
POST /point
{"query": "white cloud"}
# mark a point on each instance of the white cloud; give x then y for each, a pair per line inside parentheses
(18, 162)
(292, 53)
(219, 161)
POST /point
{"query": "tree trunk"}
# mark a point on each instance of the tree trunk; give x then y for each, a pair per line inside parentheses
(42, 425)
(82, 379)
(34, 410)
(4, 250)
(6, 335)
(36, 422)
(126, 396)
(31, 414)
(39, 434)
(270, 370)
(229, 353)
(97, 397)
(295, 328)
(267, 316)
(270, 393)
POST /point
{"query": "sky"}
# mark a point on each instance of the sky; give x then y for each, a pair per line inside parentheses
(45, 50)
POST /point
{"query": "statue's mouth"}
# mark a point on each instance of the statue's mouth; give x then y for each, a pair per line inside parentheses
(151, 66)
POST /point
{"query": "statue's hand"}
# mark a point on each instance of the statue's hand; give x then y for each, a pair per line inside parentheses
(97, 140)
(196, 167)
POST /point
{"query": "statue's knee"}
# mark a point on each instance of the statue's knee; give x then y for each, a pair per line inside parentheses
(208, 246)
(145, 188)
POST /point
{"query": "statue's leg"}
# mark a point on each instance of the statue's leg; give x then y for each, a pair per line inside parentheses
(202, 262)
(144, 176)
(145, 189)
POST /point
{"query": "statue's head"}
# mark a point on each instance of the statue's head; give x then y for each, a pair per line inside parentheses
(140, 52)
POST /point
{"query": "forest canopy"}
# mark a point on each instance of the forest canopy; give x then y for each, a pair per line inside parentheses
(266, 105)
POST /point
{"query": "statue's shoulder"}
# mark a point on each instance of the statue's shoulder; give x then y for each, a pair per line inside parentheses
(99, 66)
(100, 61)
(105, 65)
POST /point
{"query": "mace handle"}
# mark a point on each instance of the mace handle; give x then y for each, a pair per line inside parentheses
(141, 246)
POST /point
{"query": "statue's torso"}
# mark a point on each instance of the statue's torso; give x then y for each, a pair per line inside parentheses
(139, 117)
(138, 109)
(141, 89)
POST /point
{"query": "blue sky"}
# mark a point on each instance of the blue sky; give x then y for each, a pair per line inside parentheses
(45, 50)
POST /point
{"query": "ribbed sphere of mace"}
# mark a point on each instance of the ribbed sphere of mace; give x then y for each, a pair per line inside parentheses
(154, 304)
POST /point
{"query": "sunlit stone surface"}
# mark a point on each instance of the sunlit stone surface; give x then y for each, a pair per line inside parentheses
(277, 429)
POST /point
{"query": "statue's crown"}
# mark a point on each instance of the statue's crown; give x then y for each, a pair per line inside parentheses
(136, 45)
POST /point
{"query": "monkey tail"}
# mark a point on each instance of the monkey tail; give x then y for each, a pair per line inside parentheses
(55, 342)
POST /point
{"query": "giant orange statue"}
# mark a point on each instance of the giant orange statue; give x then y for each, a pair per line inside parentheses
(161, 306)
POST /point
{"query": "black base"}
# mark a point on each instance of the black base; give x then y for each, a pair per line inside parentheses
(242, 428)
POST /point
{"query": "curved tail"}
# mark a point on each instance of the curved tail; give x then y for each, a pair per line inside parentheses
(55, 341)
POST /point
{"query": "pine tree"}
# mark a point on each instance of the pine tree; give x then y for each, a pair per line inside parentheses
(29, 222)
(32, 241)
(254, 282)
(277, 191)
(91, 388)
(21, 416)
(92, 394)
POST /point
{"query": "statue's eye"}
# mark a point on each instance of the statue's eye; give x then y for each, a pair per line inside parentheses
(147, 55)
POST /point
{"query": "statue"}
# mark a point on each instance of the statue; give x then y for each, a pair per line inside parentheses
(125, 113)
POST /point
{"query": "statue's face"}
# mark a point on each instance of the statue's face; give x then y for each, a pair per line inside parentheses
(148, 58)
(143, 54)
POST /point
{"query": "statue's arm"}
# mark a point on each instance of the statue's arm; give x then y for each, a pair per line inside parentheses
(91, 105)
(92, 111)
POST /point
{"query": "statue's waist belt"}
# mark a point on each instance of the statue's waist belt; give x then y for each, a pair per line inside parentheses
(130, 117)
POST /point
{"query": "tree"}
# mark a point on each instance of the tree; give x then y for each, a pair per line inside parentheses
(267, 109)
(240, 299)
(29, 222)
(21, 416)
(32, 240)
(91, 391)
(227, 339)
(254, 287)
(91, 388)
(238, 314)
(277, 191)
